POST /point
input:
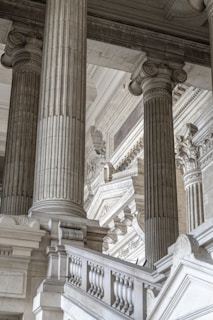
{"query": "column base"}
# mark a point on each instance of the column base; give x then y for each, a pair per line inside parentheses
(58, 207)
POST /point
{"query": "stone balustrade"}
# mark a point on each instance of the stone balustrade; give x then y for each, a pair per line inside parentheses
(118, 284)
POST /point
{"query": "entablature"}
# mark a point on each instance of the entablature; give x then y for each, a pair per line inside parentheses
(186, 41)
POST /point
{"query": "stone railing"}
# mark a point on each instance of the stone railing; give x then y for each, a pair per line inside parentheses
(121, 286)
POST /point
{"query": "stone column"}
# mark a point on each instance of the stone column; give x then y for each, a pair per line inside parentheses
(23, 54)
(156, 80)
(187, 155)
(59, 170)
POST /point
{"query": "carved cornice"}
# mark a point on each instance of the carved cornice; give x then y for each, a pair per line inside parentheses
(168, 73)
(23, 49)
(138, 38)
(130, 156)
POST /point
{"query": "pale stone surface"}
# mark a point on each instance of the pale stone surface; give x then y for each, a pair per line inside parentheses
(190, 279)
(69, 230)
(94, 277)
(22, 265)
(187, 156)
(208, 191)
(156, 80)
(59, 170)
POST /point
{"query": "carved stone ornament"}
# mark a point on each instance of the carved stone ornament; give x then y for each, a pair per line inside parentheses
(155, 68)
(24, 221)
(22, 45)
(96, 155)
(187, 153)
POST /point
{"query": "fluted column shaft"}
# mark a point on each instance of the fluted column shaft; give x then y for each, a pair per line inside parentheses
(23, 54)
(187, 155)
(156, 80)
(59, 172)
(194, 199)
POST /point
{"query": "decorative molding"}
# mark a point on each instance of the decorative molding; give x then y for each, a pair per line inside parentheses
(5, 251)
(189, 101)
(25, 221)
(96, 155)
(130, 156)
(186, 152)
(167, 72)
(178, 92)
(132, 245)
(23, 48)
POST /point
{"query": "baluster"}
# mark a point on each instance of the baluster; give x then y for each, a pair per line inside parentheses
(124, 293)
(91, 279)
(74, 270)
(130, 293)
(115, 287)
(101, 283)
(94, 280)
(71, 268)
(79, 272)
(120, 289)
(97, 282)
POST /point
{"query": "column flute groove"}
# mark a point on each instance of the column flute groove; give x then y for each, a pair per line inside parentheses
(187, 155)
(23, 54)
(156, 80)
(59, 173)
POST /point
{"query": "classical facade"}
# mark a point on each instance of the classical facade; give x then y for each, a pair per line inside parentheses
(106, 160)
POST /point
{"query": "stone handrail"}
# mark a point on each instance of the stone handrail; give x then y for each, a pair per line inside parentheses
(118, 284)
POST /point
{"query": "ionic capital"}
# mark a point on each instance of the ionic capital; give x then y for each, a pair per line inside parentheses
(23, 48)
(155, 73)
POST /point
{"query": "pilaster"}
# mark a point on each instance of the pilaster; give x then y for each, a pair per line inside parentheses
(23, 54)
(156, 80)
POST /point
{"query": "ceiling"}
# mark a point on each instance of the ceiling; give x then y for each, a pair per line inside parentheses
(120, 32)
(171, 26)
(173, 17)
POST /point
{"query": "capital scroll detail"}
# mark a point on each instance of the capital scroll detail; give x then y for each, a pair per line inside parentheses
(173, 72)
(22, 46)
